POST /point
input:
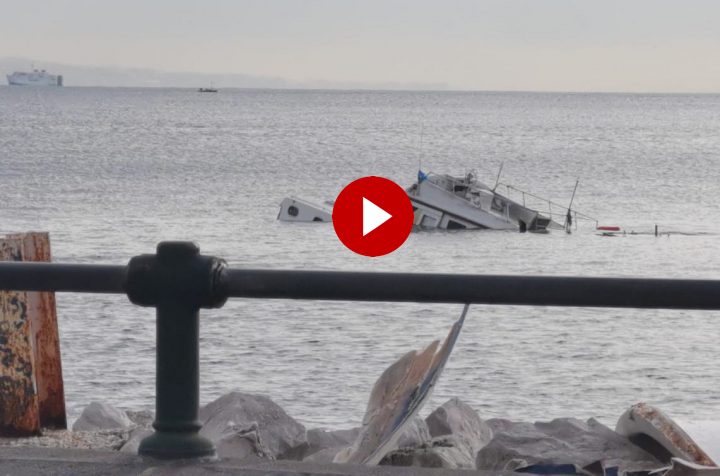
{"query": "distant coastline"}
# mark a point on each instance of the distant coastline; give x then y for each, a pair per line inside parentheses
(117, 77)
(110, 76)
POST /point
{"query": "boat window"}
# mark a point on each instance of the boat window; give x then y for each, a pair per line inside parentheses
(293, 211)
(317, 219)
(498, 204)
(428, 222)
(453, 225)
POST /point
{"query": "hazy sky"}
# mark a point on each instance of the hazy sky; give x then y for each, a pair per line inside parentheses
(555, 45)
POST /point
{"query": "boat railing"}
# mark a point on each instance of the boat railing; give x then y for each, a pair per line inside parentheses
(552, 209)
(178, 281)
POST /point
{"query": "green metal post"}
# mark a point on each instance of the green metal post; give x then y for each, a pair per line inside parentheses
(178, 281)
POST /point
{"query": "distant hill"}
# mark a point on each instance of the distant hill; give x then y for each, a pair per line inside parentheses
(78, 75)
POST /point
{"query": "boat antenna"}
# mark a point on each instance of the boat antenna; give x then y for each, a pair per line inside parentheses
(497, 180)
(420, 150)
(568, 217)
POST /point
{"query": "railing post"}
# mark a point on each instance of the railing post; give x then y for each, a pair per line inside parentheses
(177, 281)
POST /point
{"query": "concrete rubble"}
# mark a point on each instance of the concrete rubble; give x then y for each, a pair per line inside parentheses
(453, 436)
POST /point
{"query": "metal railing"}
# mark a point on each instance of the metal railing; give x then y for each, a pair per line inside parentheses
(178, 281)
(550, 204)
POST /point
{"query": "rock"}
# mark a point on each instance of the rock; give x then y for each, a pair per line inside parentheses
(458, 434)
(236, 441)
(101, 416)
(241, 442)
(142, 418)
(319, 439)
(324, 445)
(416, 434)
(564, 441)
(456, 418)
(325, 455)
(134, 439)
(441, 452)
(239, 423)
(499, 425)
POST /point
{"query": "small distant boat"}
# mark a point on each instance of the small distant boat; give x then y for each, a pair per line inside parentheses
(207, 90)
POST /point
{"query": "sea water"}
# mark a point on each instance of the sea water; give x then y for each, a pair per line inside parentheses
(112, 172)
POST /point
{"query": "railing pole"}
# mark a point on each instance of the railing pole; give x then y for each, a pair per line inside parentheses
(178, 281)
(641, 293)
(177, 386)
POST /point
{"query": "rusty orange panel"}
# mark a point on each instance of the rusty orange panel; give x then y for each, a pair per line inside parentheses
(680, 443)
(19, 409)
(46, 341)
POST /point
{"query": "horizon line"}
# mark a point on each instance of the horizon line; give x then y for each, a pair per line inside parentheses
(383, 90)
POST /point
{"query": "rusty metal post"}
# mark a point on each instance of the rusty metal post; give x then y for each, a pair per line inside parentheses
(19, 413)
(46, 340)
(177, 281)
(31, 385)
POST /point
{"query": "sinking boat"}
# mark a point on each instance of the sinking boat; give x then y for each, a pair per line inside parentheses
(293, 209)
(447, 202)
(458, 203)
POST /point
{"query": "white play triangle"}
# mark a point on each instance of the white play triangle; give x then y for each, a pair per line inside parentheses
(373, 216)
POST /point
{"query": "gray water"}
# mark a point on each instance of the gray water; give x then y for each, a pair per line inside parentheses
(111, 172)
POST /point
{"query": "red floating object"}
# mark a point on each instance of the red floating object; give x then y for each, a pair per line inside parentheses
(608, 228)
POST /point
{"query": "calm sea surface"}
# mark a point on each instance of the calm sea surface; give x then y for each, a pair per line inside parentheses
(111, 172)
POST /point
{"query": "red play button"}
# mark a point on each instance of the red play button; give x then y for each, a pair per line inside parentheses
(372, 216)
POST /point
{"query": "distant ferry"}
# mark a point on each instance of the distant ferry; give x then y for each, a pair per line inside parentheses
(35, 78)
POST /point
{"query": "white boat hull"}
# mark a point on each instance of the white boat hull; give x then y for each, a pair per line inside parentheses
(297, 210)
(437, 207)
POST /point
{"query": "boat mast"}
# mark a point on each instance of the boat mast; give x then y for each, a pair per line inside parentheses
(497, 180)
(420, 151)
(568, 217)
